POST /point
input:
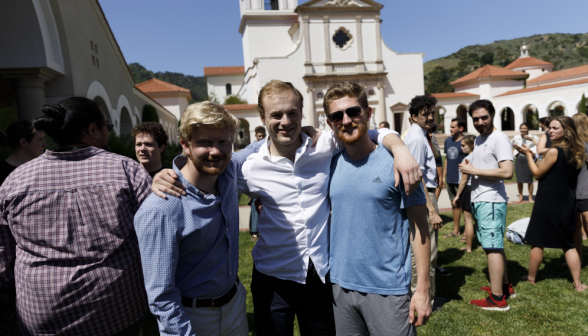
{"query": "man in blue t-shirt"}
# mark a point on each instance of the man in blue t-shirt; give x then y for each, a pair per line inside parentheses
(453, 157)
(372, 224)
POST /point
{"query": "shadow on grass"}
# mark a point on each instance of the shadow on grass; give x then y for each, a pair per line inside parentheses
(515, 271)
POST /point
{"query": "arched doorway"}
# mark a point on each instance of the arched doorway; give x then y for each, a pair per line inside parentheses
(557, 109)
(102, 104)
(531, 117)
(126, 124)
(507, 119)
(440, 118)
(462, 113)
(243, 138)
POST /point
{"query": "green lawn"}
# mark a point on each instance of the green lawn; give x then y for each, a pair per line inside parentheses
(551, 307)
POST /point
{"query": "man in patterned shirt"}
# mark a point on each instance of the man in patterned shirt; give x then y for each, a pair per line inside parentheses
(190, 245)
(67, 240)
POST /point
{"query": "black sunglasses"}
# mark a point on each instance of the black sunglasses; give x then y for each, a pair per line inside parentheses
(109, 126)
(352, 112)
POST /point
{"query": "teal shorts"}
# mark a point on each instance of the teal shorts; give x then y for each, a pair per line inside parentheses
(490, 224)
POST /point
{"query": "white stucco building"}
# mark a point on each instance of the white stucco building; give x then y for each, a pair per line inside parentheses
(314, 45)
(54, 49)
(523, 91)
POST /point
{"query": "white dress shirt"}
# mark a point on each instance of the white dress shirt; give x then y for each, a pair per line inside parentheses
(418, 145)
(294, 222)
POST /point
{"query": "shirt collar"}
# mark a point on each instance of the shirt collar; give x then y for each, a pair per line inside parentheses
(265, 152)
(420, 129)
(80, 154)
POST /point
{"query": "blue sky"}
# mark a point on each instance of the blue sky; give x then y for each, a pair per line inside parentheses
(187, 35)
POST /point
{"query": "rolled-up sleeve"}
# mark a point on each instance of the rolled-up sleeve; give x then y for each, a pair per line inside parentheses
(159, 245)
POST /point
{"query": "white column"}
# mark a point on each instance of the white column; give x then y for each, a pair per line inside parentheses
(359, 38)
(381, 112)
(380, 63)
(30, 96)
(306, 34)
(247, 4)
(310, 113)
(327, 43)
(284, 4)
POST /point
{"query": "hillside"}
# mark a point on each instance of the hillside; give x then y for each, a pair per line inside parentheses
(196, 85)
(563, 50)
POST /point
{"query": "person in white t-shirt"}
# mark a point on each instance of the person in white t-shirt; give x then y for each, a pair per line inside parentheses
(290, 177)
(492, 163)
(462, 199)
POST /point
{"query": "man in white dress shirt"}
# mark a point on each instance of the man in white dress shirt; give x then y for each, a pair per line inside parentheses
(422, 114)
(291, 178)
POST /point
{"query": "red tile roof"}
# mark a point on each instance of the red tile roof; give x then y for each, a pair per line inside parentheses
(525, 62)
(545, 87)
(157, 85)
(230, 70)
(239, 107)
(490, 71)
(560, 74)
(453, 95)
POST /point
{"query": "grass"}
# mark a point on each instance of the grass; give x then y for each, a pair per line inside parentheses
(551, 307)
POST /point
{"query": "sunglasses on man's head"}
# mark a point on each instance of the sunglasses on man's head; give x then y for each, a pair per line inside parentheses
(352, 112)
(109, 126)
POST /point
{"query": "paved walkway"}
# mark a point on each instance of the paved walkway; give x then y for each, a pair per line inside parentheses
(444, 203)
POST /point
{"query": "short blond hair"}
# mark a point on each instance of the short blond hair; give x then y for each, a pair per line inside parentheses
(207, 113)
(275, 87)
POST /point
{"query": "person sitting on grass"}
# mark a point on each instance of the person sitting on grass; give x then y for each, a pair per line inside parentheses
(463, 194)
(553, 220)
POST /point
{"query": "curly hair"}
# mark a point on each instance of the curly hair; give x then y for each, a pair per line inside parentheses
(482, 103)
(571, 143)
(152, 128)
(418, 103)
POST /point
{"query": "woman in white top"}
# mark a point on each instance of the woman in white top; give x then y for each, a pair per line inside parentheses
(522, 170)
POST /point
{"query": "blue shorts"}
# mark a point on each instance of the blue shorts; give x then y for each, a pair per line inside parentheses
(490, 224)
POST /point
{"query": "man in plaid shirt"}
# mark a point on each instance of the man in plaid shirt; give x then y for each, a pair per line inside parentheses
(67, 240)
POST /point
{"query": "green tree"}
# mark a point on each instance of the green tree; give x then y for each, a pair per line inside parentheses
(487, 58)
(150, 113)
(582, 108)
(233, 100)
(437, 81)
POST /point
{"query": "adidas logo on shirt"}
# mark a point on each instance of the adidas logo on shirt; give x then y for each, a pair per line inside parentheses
(377, 180)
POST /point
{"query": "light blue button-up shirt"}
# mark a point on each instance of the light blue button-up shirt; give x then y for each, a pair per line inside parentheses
(418, 145)
(190, 245)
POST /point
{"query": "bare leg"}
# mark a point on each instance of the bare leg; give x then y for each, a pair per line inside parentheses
(496, 269)
(531, 192)
(578, 237)
(456, 220)
(469, 229)
(573, 261)
(535, 258)
(584, 225)
(520, 187)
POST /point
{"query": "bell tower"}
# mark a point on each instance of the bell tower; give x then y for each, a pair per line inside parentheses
(264, 28)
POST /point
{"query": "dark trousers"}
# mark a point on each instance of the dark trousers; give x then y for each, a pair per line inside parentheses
(276, 301)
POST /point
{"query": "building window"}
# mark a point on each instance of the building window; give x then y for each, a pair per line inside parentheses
(229, 89)
(270, 5)
(93, 61)
(342, 38)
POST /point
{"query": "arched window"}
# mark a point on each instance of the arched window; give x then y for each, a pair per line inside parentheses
(229, 89)
(270, 5)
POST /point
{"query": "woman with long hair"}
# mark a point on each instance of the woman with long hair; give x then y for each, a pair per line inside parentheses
(26, 144)
(553, 220)
(581, 121)
(522, 170)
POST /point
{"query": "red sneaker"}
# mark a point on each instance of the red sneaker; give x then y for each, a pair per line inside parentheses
(490, 304)
(510, 295)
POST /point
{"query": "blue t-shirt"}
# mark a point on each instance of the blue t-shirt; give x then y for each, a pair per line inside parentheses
(454, 156)
(370, 247)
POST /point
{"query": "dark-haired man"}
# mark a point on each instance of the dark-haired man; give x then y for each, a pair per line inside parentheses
(260, 133)
(150, 141)
(422, 114)
(453, 157)
(492, 164)
(384, 124)
(371, 286)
